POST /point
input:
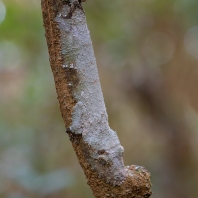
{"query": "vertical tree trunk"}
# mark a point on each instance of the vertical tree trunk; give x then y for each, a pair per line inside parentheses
(82, 106)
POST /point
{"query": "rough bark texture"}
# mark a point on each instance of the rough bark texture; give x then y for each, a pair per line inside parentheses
(82, 106)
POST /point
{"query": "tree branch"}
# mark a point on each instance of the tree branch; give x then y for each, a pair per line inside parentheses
(82, 105)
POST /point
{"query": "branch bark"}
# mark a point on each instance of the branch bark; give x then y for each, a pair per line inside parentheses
(82, 105)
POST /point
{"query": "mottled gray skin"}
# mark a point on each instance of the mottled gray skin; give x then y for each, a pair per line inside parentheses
(89, 116)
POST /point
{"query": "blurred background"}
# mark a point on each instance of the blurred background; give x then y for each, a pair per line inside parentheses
(147, 55)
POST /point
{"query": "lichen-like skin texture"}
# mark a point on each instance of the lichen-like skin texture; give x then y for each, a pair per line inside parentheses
(89, 116)
(82, 105)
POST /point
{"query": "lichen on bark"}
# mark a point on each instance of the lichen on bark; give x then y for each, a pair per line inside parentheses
(82, 105)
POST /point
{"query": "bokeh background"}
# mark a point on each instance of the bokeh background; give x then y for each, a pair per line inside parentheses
(147, 55)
